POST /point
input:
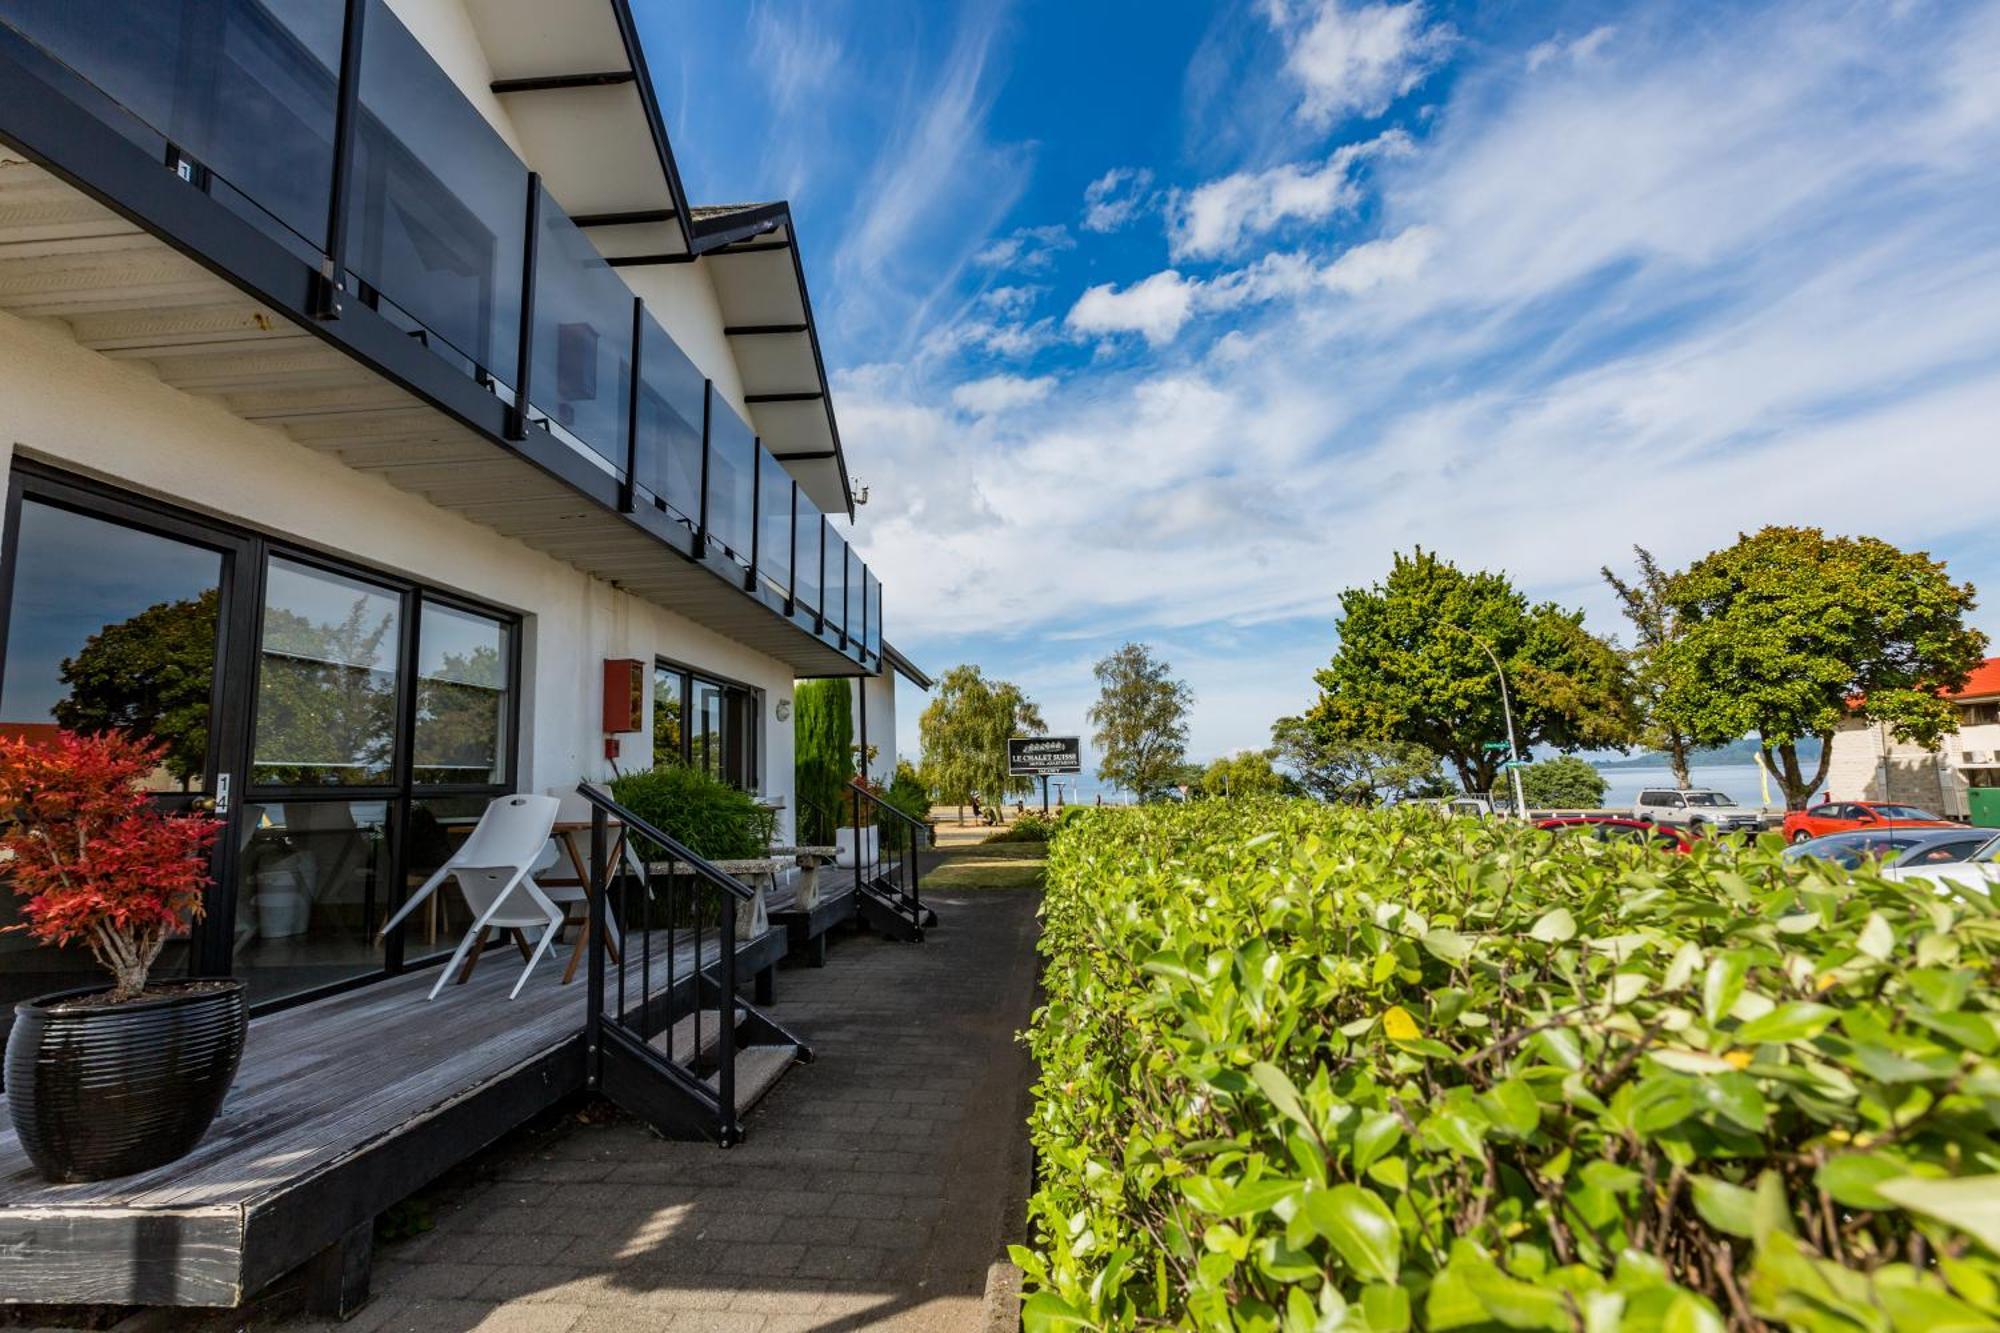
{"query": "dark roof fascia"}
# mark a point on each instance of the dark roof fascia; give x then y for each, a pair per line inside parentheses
(904, 667)
(781, 212)
(649, 101)
(712, 233)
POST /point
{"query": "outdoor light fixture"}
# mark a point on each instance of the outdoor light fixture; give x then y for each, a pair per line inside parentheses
(784, 710)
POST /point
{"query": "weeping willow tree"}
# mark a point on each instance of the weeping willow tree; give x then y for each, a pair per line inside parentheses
(823, 723)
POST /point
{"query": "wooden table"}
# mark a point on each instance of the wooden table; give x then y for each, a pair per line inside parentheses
(573, 836)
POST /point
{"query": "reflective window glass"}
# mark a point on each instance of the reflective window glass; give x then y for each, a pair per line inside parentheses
(463, 664)
(326, 680)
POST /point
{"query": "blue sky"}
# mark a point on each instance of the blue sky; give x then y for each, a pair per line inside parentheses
(1168, 321)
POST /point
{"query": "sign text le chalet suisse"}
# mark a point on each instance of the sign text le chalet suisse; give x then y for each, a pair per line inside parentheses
(1039, 756)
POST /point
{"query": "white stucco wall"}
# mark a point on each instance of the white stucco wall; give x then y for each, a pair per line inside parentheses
(68, 406)
(683, 299)
(446, 31)
(1868, 764)
(879, 692)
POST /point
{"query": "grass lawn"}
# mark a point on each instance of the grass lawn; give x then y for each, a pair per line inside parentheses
(999, 865)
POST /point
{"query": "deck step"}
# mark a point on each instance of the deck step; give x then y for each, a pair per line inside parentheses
(694, 1037)
(758, 1069)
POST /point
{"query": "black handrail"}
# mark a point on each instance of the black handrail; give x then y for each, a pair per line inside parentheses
(604, 808)
(908, 883)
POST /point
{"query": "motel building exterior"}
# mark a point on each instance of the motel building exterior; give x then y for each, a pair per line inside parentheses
(367, 384)
(1959, 780)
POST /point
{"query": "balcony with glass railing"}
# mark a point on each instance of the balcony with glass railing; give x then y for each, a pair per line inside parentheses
(371, 167)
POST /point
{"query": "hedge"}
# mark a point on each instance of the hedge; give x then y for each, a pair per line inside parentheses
(1314, 1068)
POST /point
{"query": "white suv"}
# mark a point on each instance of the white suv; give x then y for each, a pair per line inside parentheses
(1698, 807)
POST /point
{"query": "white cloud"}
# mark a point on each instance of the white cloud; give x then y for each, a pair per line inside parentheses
(1026, 249)
(1582, 48)
(1155, 308)
(1115, 198)
(1398, 258)
(1218, 217)
(1351, 59)
(1001, 393)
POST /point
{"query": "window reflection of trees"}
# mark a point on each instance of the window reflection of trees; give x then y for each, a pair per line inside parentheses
(325, 713)
(149, 675)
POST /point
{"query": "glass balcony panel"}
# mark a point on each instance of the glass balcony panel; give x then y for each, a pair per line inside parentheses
(807, 534)
(245, 88)
(437, 217)
(583, 337)
(732, 452)
(774, 524)
(833, 579)
(872, 594)
(671, 390)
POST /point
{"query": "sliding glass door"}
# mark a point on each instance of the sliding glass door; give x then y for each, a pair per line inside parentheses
(349, 725)
(705, 723)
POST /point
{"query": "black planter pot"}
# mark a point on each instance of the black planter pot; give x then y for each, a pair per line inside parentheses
(117, 1089)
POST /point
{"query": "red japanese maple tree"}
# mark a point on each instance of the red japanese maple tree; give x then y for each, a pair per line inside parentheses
(92, 857)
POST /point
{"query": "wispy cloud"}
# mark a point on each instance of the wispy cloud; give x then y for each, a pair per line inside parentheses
(1001, 393)
(1220, 216)
(1116, 197)
(1026, 249)
(1351, 59)
(1579, 48)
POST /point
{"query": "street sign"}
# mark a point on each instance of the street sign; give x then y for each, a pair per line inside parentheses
(1040, 756)
(1517, 763)
(1496, 745)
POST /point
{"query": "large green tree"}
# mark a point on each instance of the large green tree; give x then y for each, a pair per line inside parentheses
(149, 675)
(1345, 772)
(964, 731)
(1562, 783)
(1247, 773)
(1789, 632)
(1647, 604)
(822, 755)
(1140, 721)
(1413, 666)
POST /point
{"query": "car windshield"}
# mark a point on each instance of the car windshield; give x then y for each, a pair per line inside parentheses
(1903, 812)
(1849, 850)
(1708, 798)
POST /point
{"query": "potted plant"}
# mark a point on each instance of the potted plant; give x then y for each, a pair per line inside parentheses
(108, 1081)
(856, 812)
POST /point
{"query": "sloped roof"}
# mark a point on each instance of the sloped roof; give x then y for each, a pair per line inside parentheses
(1983, 683)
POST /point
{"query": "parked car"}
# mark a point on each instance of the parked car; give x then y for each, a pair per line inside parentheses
(1697, 808)
(1898, 848)
(1979, 872)
(1842, 816)
(1611, 828)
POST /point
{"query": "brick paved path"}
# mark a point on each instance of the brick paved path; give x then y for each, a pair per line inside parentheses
(876, 1188)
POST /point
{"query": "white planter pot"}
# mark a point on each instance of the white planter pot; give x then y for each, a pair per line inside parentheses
(843, 841)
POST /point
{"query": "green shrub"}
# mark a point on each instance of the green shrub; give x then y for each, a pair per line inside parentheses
(907, 793)
(1562, 783)
(1027, 828)
(714, 819)
(1305, 1067)
(823, 757)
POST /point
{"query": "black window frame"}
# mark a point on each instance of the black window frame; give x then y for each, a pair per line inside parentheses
(742, 716)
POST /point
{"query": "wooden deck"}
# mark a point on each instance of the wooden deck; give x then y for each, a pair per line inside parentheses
(341, 1107)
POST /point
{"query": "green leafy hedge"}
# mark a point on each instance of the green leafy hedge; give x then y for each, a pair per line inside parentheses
(712, 818)
(1314, 1068)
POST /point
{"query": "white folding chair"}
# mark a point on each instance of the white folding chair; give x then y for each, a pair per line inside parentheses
(494, 872)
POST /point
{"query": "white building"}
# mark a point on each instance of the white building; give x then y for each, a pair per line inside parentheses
(1960, 779)
(385, 430)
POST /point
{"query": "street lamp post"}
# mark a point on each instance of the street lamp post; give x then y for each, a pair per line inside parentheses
(1506, 711)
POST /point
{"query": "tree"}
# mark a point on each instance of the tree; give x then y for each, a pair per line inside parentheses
(1563, 783)
(1412, 666)
(1354, 772)
(1647, 605)
(149, 676)
(964, 730)
(823, 755)
(1246, 773)
(1790, 632)
(1141, 721)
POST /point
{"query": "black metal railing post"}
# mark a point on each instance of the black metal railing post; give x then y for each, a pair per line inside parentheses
(628, 485)
(792, 555)
(517, 420)
(332, 282)
(725, 1018)
(756, 509)
(599, 924)
(707, 413)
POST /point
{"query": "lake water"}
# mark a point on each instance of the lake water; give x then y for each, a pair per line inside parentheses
(1738, 781)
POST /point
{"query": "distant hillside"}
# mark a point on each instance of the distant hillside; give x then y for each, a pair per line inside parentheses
(1736, 752)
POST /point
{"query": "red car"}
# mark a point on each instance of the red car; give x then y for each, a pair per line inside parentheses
(1845, 816)
(1607, 828)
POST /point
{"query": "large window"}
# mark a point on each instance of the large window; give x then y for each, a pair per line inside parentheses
(326, 680)
(705, 723)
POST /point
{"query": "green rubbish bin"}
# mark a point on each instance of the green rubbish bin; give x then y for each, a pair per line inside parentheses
(1985, 803)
